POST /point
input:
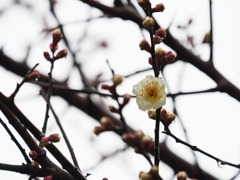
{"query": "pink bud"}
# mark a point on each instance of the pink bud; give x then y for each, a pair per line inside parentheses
(107, 123)
(147, 143)
(150, 60)
(161, 33)
(47, 56)
(106, 87)
(145, 4)
(157, 40)
(126, 99)
(47, 178)
(44, 142)
(99, 129)
(33, 154)
(53, 47)
(57, 36)
(54, 138)
(33, 76)
(34, 166)
(163, 113)
(61, 54)
(148, 22)
(145, 46)
(170, 56)
(158, 8)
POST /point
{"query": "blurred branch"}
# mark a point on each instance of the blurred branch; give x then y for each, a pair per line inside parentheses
(62, 131)
(211, 31)
(15, 141)
(195, 148)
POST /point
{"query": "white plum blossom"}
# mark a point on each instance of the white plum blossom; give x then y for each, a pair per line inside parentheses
(150, 93)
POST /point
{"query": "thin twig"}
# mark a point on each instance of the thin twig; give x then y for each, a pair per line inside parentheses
(62, 131)
(15, 141)
(195, 148)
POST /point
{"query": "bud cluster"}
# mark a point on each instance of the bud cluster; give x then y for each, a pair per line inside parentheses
(165, 117)
(106, 125)
(53, 138)
(146, 5)
(139, 141)
(152, 174)
(56, 38)
(116, 80)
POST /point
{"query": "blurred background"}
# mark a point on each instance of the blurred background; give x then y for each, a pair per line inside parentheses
(211, 120)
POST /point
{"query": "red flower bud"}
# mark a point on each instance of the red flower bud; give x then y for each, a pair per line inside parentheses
(33, 76)
(57, 36)
(33, 154)
(159, 53)
(158, 8)
(61, 54)
(144, 45)
(107, 123)
(53, 47)
(170, 56)
(99, 129)
(47, 56)
(44, 142)
(34, 166)
(161, 33)
(145, 4)
(54, 138)
(157, 40)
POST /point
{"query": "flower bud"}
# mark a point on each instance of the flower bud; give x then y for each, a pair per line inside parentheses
(126, 99)
(33, 76)
(113, 109)
(170, 56)
(99, 129)
(53, 47)
(138, 135)
(106, 87)
(61, 54)
(157, 40)
(47, 56)
(117, 79)
(34, 166)
(54, 138)
(161, 33)
(107, 123)
(159, 53)
(163, 113)
(148, 22)
(147, 143)
(158, 8)
(128, 138)
(48, 178)
(145, 176)
(145, 46)
(105, 179)
(152, 114)
(150, 60)
(57, 36)
(44, 142)
(33, 154)
(154, 171)
(182, 175)
(145, 4)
